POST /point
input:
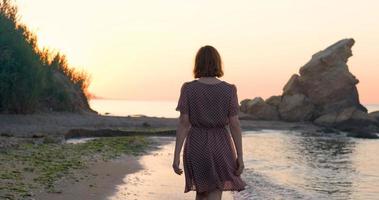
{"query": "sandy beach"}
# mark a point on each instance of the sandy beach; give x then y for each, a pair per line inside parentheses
(156, 180)
(148, 175)
(129, 176)
(100, 182)
(142, 177)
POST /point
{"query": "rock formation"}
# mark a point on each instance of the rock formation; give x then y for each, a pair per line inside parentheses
(374, 115)
(258, 109)
(324, 92)
(296, 107)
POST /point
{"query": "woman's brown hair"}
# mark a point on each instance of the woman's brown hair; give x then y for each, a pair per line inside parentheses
(208, 63)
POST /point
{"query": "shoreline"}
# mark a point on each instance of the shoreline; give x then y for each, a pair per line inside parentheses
(33, 168)
(129, 177)
(157, 180)
(102, 177)
(56, 127)
(100, 183)
(58, 124)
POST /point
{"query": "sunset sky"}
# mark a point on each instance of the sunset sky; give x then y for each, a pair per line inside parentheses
(144, 50)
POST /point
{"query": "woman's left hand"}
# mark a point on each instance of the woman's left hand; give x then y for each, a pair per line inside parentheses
(175, 166)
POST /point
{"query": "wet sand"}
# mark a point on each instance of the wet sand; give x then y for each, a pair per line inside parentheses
(102, 177)
(156, 180)
(143, 177)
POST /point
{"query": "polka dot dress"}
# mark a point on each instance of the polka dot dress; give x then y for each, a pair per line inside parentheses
(209, 156)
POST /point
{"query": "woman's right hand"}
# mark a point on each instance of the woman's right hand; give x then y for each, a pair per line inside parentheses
(240, 167)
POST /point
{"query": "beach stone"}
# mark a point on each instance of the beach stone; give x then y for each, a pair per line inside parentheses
(374, 115)
(363, 134)
(359, 122)
(351, 120)
(38, 135)
(257, 108)
(245, 116)
(146, 124)
(274, 101)
(328, 119)
(255, 102)
(296, 108)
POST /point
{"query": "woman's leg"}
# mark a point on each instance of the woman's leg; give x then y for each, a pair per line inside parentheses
(201, 196)
(215, 195)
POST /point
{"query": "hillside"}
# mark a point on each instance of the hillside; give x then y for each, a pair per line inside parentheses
(33, 79)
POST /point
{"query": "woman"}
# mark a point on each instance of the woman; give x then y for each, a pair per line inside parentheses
(212, 162)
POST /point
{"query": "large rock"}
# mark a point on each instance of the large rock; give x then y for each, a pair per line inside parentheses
(351, 120)
(327, 81)
(374, 115)
(292, 86)
(245, 116)
(325, 92)
(257, 108)
(296, 107)
(274, 101)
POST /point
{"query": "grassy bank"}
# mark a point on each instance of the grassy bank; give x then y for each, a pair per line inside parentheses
(34, 79)
(30, 166)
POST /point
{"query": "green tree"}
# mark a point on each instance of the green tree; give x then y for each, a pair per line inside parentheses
(28, 75)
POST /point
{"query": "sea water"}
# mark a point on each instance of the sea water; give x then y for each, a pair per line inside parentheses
(150, 108)
(278, 164)
(290, 165)
(134, 108)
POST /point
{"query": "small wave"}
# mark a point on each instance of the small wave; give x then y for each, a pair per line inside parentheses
(260, 186)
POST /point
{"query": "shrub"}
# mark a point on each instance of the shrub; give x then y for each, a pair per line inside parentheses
(28, 75)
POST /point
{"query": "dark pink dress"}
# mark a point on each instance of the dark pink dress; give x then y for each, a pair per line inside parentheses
(209, 156)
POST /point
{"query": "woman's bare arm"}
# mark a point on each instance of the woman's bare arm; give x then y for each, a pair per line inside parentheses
(181, 134)
(235, 129)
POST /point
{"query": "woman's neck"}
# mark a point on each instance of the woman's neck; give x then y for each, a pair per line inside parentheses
(209, 80)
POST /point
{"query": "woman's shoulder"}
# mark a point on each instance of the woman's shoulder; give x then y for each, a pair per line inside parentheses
(191, 82)
(229, 84)
(194, 82)
(188, 83)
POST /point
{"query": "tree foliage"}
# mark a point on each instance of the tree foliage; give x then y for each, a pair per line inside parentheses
(29, 76)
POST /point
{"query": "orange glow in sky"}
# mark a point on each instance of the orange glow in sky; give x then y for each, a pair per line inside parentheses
(144, 49)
